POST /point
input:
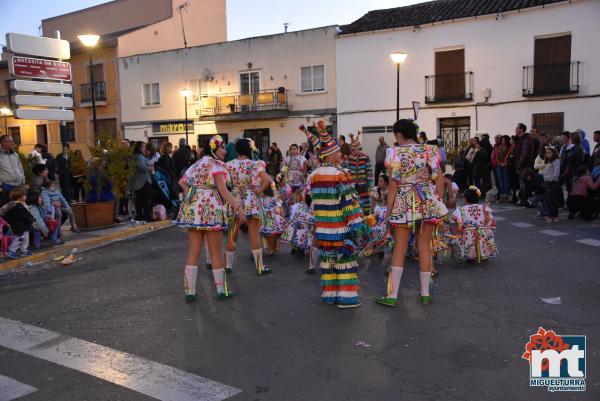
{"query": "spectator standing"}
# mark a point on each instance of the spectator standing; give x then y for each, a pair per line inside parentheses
(141, 183)
(165, 161)
(480, 165)
(575, 157)
(151, 154)
(380, 153)
(11, 170)
(595, 158)
(40, 176)
(442, 154)
(346, 149)
(79, 169)
(524, 158)
(50, 163)
(182, 158)
(502, 168)
(553, 196)
(17, 215)
(274, 160)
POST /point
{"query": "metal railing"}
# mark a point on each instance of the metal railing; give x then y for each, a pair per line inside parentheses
(99, 92)
(448, 88)
(229, 103)
(551, 79)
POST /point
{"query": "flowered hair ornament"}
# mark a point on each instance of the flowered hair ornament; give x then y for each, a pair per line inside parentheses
(476, 190)
(215, 142)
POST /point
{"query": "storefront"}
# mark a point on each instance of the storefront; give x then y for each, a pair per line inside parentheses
(170, 131)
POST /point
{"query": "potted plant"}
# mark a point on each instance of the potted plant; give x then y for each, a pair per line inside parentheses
(99, 213)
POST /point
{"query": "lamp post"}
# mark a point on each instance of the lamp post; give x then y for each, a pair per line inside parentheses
(186, 93)
(5, 112)
(398, 58)
(90, 42)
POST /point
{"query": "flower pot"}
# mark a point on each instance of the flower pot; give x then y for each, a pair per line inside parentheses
(93, 215)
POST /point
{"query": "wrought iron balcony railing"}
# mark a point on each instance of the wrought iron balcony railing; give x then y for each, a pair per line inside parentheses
(99, 92)
(551, 79)
(449, 88)
(230, 103)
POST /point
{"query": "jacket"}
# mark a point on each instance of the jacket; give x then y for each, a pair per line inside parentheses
(141, 175)
(49, 197)
(17, 215)
(11, 170)
(38, 221)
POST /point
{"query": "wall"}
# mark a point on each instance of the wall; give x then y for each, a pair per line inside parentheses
(495, 50)
(205, 21)
(113, 16)
(277, 57)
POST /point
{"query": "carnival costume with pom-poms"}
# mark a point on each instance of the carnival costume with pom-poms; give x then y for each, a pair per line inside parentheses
(244, 176)
(412, 167)
(294, 168)
(202, 207)
(476, 240)
(338, 224)
(271, 222)
(359, 165)
(299, 230)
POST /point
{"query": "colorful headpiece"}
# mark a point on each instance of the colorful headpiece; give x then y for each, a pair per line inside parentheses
(215, 142)
(324, 143)
(476, 190)
(355, 141)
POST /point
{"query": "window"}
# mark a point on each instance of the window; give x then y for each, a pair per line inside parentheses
(378, 129)
(552, 65)
(551, 124)
(151, 94)
(97, 71)
(15, 133)
(312, 78)
(107, 126)
(42, 134)
(70, 131)
(449, 77)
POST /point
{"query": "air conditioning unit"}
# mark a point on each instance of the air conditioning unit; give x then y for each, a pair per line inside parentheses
(486, 93)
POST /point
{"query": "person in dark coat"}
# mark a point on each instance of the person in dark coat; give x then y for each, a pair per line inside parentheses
(182, 158)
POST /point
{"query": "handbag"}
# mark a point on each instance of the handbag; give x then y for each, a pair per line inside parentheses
(51, 223)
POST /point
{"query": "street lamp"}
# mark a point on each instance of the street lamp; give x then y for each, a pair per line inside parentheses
(398, 58)
(90, 41)
(186, 93)
(5, 112)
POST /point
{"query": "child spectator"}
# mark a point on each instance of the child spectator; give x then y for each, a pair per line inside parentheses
(46, 227)
(56, 205)
(17, 215)
(579, 200)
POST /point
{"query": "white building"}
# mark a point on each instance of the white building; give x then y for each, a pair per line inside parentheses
(476, 66)
(263, 87)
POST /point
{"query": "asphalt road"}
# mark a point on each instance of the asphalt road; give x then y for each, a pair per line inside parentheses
(276, 341)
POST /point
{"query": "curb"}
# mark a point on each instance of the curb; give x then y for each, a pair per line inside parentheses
(83, 245)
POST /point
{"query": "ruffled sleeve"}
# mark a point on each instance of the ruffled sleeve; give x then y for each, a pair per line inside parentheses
(218, 167)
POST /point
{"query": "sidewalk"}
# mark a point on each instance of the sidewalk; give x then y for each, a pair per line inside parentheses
(83, 241)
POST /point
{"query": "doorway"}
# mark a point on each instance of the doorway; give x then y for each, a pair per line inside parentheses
(261, 138)
(455, 132)
(41, 131)
(249, 87)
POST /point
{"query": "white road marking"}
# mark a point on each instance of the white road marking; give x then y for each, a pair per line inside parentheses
(554, 233)
(11, 389)
(147, 377)
(499, 218)
(589, 241)
(522, 225)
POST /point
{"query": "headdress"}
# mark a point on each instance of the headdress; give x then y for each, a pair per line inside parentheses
(214, 143)
(323, 143)
(355, 141)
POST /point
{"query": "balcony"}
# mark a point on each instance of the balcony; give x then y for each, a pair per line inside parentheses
(449, 88)
(259, 105)
(551, 79)
(99, 94)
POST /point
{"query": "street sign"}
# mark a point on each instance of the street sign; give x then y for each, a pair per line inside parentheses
(43, 87)
(45, 114)
(28, 67)
(38, 46)
(46, 101)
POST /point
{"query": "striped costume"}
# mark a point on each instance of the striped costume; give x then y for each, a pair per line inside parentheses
(338, 224)
(362, 176)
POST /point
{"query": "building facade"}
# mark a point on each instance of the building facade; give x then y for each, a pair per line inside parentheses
(262, 88)
(474, 67)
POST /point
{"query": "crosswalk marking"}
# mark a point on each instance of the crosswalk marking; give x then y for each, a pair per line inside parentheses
(11, 389)
(147, 377)
(554, 233)
(522, 225)
(589, 241)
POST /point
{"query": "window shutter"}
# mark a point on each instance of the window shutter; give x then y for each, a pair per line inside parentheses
(450, 74)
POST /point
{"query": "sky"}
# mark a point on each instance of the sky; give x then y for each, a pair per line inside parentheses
(245, 18)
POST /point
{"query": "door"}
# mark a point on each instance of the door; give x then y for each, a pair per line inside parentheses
(552, 65)
(249, 87)
(42, 134)
(261, 138)
(450, 75)
(455, 132)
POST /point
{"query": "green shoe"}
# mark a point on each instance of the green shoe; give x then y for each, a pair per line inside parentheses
(426, 299)
(189, 298)
(386, 301)
(221, 296)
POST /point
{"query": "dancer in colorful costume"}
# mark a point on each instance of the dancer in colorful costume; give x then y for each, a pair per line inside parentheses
(294, 168)
(204, 214)
(338, 222)
(414, 205)
(272, 223)
(359, 165)
(299, 229)
(381, 240)
(475, 224)
(248, 179)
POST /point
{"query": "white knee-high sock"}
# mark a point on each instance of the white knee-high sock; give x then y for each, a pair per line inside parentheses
(425, 278)
(189, 279)
(314, 257)
(394, 281)
(258, 259)
(208, 258)
(219, 275)
(229, 256)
